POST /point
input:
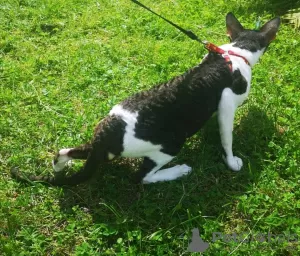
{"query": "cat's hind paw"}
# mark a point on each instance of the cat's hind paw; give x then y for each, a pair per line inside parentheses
(234, 163)
(57, 167)
(184, 170)
(60, 160)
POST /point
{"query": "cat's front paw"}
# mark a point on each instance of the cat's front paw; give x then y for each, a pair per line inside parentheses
(234, 163)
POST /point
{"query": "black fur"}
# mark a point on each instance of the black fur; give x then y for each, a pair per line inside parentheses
(173, 111)
(239, 84)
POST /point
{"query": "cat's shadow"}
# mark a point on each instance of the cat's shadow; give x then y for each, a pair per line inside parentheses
(211, 188)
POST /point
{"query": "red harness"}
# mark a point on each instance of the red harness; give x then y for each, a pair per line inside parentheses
(213, 48)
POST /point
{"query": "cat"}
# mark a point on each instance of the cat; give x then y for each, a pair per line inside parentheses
(154, 124)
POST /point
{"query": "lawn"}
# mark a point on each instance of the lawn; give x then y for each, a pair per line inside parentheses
(65, 63)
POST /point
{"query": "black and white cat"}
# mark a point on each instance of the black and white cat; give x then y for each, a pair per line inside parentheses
(154, 124)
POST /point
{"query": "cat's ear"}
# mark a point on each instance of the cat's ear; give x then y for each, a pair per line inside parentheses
(234, 27)
(270, 29)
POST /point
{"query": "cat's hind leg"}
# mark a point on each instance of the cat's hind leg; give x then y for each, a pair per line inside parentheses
(67, 154)
(168, 174)
(109, 131)
(150, 169)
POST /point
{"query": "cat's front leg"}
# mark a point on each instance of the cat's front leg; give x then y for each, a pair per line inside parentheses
(226, 111)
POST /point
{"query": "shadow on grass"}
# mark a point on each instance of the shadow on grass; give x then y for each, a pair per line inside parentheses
(209, 191)
(278, 7)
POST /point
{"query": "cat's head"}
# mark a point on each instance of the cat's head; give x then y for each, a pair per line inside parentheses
(251, 40)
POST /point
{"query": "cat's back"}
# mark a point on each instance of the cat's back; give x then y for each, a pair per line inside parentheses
(197, 88)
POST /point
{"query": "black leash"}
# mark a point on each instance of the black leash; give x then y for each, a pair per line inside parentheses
(209, 46)
(189, 33)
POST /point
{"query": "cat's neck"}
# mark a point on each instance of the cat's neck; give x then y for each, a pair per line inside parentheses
(251, 57)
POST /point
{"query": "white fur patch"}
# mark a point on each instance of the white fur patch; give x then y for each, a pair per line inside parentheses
(133, 147)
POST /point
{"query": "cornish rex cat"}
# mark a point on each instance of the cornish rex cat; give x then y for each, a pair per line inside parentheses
(154, 124)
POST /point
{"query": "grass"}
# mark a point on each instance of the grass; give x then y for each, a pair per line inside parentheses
(64, 64)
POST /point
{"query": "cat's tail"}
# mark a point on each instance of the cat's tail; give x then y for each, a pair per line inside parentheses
(47, 179)
(108, 140)
(91, 165)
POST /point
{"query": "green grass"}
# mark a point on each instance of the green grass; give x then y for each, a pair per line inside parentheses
(64, 64)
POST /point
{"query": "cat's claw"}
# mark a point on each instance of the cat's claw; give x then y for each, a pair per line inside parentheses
(234, 163)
